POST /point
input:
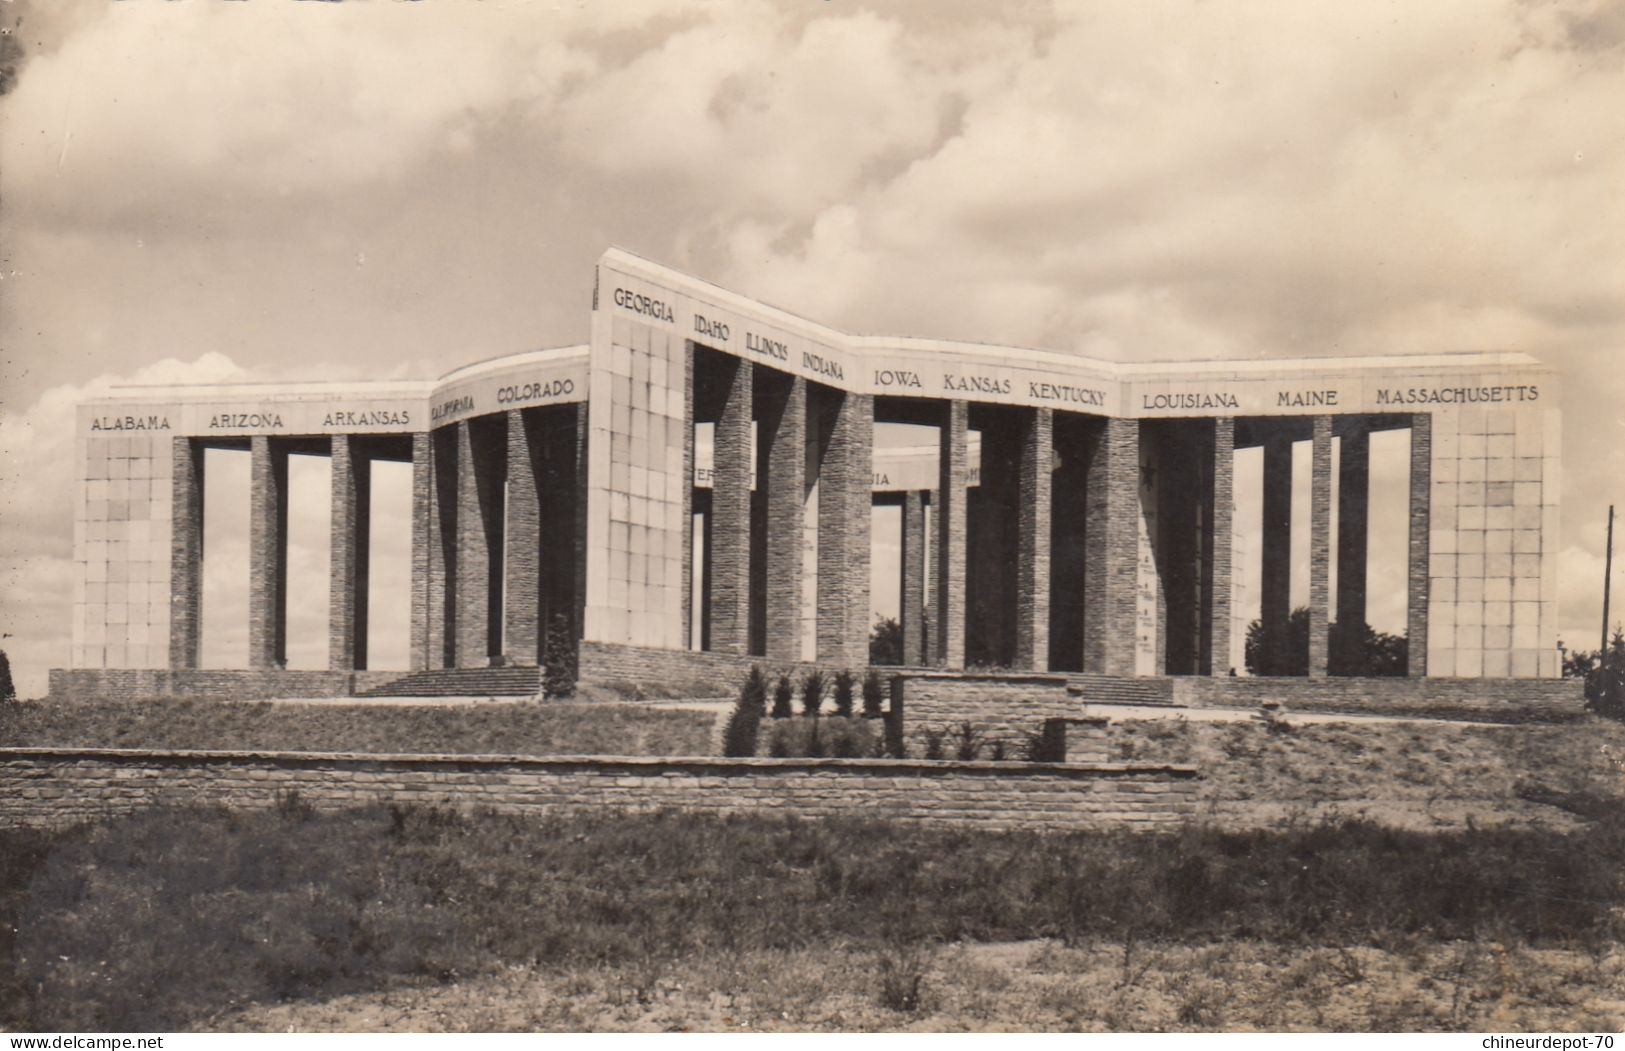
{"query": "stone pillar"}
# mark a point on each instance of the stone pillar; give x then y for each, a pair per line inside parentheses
(1320, 531)
(1112, 580)
(1222, 501)
(730, 509)
(186, 554)
(845, 489)
(347, 578)
(429, 564)
(782, 429)
(1416, 611)
(912, 591)
(1033, 540)
(685, 492)
(1275, 570)
(268, 556)
(478, 560)
(1353, 504)
(948, 599)
(522, 590)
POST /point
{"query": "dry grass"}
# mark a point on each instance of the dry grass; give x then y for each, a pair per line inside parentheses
(498, 728)
(1415, 775)
(1029, 987)
(167, 919)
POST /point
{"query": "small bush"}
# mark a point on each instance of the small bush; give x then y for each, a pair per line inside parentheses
(844, 681)
(782, 696)
(967, 743)
(873, 696)
(997, 753)
(813, 688)
(1048, 745)
(934, 739)
(8, 691)
(901, 976)
(895, 746)
(819, 738)
(744, 724)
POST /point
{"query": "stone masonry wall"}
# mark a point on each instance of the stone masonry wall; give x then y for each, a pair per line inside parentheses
(57, 786)
(1495, 699)
(999, 707)
(222, 684)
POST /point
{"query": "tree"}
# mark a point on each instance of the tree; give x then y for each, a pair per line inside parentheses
(1605, 683)
(1378, 653)
(8, 692)
(886, 642)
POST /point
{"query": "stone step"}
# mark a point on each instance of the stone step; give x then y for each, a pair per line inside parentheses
(462, 682)
(1113, 689)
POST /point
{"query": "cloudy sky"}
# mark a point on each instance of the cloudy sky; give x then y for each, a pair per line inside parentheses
(277, 189)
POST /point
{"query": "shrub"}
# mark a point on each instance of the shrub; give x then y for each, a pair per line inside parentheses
(844, 681)
(873, 696)
(967, 743)
(781, 698)
(1048, 745)
(997, 754)
(813, 688)
(1605, 683)
(934, 739)
(896, 747)
(744, 724)
(818, 738)
(559, 658)
(901, 975)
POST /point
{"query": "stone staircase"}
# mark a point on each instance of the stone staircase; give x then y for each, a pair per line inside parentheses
(1111, 689)
(462, 682)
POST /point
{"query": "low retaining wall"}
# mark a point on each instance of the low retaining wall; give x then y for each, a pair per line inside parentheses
(690, 672)
(999, 707)
(51, 786)
(1505, 700)
(224, 684)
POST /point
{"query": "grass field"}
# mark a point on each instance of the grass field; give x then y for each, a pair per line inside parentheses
(189, 919)
(518, 728)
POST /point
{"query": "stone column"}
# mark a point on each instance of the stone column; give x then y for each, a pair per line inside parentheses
(912, 592)
(1218, 581)
(1275, 571)
(478, 586)
(1033, 540)
(428, 629)
(730, 509)
(347, 579)
(522, 590)
(1416, 611)
(1320, 530)
(782, 428)
(1112, 580)
(845, 488)
(186, 554)
(948, 599)
(267, 555)
(1353, 504)
(685, 492)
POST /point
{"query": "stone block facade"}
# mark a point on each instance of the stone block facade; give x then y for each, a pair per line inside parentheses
(699, 479)
(46, 787)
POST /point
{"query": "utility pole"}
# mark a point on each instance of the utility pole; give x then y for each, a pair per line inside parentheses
(1607, 581)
